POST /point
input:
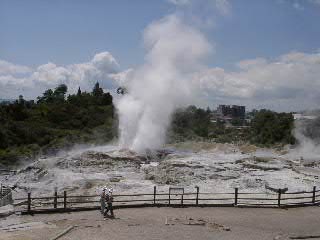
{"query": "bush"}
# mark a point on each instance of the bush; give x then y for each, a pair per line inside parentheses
(268, 127)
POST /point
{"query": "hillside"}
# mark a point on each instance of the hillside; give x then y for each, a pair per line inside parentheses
(54, 122)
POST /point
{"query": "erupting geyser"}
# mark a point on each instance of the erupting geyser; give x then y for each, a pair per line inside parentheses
(163, 83)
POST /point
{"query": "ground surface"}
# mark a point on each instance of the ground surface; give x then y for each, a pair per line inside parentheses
(211, 166)
(168, 223)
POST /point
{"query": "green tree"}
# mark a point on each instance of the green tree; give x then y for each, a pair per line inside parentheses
(79, 92)
(47, 97)
(21, 101)
(60, 92)
(268, 127)
(97, 91)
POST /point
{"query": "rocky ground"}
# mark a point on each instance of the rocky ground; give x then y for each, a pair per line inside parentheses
(213, 167)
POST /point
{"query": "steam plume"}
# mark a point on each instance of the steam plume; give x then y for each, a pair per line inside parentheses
(308, 136)
(163, 83)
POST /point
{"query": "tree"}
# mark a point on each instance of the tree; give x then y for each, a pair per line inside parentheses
(97, 91)
(3, 139)
(79, 92)
(106, 99)
(60, 92)
(55, 122)
(21, 101)
(47, 97)
(268, 127)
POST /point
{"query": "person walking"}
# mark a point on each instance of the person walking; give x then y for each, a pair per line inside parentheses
(103, 200)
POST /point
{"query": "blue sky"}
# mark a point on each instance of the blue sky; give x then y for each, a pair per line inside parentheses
(46, 42)
(34, 32)
(37, 31)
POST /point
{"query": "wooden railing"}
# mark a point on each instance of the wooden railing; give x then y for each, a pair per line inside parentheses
(5, 195)
(175, 197)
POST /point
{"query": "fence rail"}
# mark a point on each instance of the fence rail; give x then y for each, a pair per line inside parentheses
(5, 195)
(174, 197)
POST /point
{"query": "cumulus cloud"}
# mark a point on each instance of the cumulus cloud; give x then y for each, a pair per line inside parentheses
(122, 78)
(7, 68)
(287, 83)
(298, 6)
(180, 2)
(301, 4)
(315, 2)
(105, 62)
(222, 6)
(290, 82)
(31, 82)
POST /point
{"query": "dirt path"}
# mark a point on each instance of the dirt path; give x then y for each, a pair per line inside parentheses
(167, 223)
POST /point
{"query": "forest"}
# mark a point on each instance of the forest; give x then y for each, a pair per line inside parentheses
(55, 121)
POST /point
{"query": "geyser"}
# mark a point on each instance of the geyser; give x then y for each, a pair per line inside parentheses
(163, 83)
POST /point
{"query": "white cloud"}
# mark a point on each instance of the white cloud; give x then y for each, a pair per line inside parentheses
(10, 68)
(105, 62)
(315, 2)
(223, 6)
(290, 82)
(298, 6)
(122, 78)
(34, 81)
(180, 2)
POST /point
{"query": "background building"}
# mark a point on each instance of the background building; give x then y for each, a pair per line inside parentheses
(231, 111)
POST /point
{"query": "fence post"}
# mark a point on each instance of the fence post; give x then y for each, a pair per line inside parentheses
(29, 202)
(154, 194)
(279, 197)
(64, 199)
(235, 196)
(197, 199)
(55, 201)
(169, 196)
(182, 198)
(314, 195)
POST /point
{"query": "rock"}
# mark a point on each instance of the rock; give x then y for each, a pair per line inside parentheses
(260, 167)
(114, 179)
(228, 229)
(278, 237)
(282, 190)
(214, 176)
(6, 210)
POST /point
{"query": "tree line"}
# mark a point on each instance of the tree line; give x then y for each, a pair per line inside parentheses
(265, 128)
(55, 120)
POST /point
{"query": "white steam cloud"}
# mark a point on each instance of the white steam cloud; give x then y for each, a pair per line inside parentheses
(307, 133)
(163, 83)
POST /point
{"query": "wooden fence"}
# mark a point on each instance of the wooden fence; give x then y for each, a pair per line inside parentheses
(5, 195)
(175, 197)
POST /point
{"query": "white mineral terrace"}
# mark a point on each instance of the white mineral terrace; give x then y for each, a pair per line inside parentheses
(212, 167)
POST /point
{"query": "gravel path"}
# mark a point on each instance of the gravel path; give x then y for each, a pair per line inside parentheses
(167, 223)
